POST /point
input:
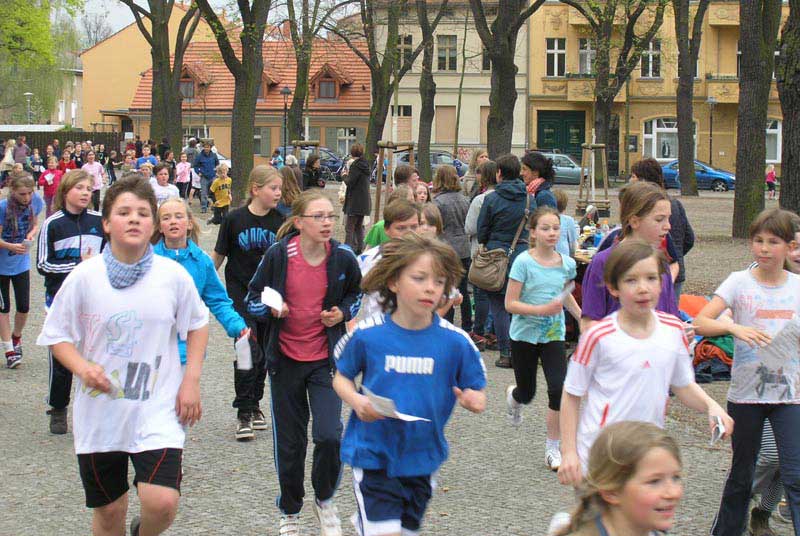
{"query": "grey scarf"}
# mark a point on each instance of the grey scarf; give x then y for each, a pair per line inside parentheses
(122, 275)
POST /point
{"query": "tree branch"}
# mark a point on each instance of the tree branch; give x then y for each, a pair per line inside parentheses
(223, 41)
(138, 13)
(522, 17)
(578, 5)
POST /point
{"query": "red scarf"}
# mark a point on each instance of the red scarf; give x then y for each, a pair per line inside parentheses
(534, 185)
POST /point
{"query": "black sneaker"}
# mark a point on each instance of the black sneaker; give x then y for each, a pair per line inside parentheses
(17, 345)
(13, 359)
(244, 430)
(135, 523)
(503, 362)
(258, 420)
(58, 421)
(759, 523)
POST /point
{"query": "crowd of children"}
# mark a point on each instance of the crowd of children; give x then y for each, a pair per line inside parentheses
(328, 326)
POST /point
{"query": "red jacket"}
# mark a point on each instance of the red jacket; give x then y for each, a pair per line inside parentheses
(66, 166)
(50, 189)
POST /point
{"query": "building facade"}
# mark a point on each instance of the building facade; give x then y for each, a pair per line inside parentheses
(562, 91)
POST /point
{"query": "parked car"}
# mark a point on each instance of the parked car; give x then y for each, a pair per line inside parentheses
(708, 178)
(567, 171)
(222, 158)
(438, 158)
(330, 163)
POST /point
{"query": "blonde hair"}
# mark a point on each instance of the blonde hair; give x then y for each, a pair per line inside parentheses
(290, 190)
(398, 253)
(299, 207)
(613, 461)
(68, 182)
(191, 232)
(639, 199)
(224, 166)
(770, 168)
(259, 177)
(473, 162)
(433, 216)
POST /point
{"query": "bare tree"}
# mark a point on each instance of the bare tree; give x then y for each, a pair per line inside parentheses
(499, 38)
(95, 28)
(688, 50)
(759, 24)
(787, 72)
(166, 115)
(246, 63)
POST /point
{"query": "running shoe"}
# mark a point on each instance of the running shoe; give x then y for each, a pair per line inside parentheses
(759, 523)
(13, 359)
(552, 458)
(514, 408)
(17, 342)
(328, 516)
(290, 525)
(478, 341)
(58, 421)
(244, 429)
(504, 361)
(558, 523)
(258, 420)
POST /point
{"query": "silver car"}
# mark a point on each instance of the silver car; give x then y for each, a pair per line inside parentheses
(567, 171)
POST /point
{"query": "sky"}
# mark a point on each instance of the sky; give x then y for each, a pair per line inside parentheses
(119, 15)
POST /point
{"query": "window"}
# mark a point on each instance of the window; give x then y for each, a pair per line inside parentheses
(448, 49)
(261, 141)
(404, 109)
(445, 125)
(486, 61)
(197, 133)
(775, 62)
(345, 138)
(187, 88)
(62, 111)
(774, 141)
(661, 138)
(651, 60)
(73, 109)
(326, 89)
(406, 49)
(556, 56)
(586, 56)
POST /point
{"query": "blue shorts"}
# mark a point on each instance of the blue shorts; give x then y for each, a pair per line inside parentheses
(390, 505)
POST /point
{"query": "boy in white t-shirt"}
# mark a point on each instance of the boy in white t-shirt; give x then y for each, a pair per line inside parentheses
(625, 364)
(161, 186)
(114, 324)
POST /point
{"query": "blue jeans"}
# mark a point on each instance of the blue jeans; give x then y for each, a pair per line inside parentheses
(480, 324)
(502, 320)
(746, 442)
(466, 306)
(205, 185)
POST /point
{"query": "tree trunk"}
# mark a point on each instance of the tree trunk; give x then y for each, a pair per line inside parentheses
(381, 96)
(162, 76)
(245, 96)
(427, 95)
(502, 99)
(788, 75)
(301, 89)
(759, 29)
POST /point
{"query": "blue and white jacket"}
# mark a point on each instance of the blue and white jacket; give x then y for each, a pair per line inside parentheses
(344, 288)
(63, 238)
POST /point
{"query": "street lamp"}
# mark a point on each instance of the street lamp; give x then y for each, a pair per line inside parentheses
(28, 96)
(711, 101)
(285, 92)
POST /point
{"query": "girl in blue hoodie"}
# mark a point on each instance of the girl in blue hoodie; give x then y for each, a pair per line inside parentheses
(176, 239)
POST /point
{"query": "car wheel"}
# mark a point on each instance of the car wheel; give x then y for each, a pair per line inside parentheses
(719, 186)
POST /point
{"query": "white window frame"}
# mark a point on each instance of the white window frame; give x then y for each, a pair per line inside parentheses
(405, 48)
(586, 56)
(778, 132)
(556, 48)
(62, 111)
(345, 138)
(661, 126)
(648, 59)
(73, 113)
(447, 45)
(183, 85)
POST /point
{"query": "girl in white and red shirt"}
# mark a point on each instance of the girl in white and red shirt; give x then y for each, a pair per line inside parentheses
(318, 279)
(626, 363)
(98, 172)
(49, 180)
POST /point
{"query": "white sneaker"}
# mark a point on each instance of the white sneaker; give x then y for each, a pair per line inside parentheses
(290, 525)
(514, 407)
(552, 457)
(559, 522)
(328, 516)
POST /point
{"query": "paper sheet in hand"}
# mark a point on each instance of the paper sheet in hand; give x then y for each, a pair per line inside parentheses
(272, 298)
(244, 357)
(387, 408)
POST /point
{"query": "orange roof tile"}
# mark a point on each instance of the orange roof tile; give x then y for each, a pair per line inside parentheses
(279, 70)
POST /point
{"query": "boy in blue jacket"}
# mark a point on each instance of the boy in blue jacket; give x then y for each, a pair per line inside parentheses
(205, 164)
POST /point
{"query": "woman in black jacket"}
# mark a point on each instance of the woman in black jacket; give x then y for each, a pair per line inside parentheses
(356, 200)
(311, 176)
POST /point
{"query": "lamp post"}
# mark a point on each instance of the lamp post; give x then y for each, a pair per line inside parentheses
(285, 92)
(711, 101)
(28, 96)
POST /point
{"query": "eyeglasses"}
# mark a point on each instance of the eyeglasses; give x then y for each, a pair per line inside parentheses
(319, 218)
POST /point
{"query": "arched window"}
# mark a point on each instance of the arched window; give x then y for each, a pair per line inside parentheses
(661, 138)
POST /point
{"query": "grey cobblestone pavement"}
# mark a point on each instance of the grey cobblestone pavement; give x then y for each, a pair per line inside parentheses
(495, 482)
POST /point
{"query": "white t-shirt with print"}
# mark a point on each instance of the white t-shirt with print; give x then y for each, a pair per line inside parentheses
(624, 378)
(760, 376)
(370, 301)
(133, 334)
(163, 192)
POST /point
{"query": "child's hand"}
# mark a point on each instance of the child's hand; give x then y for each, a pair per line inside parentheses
(458, 300)
(19, 249)
(88, 255)
(470, 399)
(94, 377)
(752, 336)
(331, 317)
(187, 405)
(727, 422)
(569, 473)
(283, 313)
(365, 410)
(552, 308)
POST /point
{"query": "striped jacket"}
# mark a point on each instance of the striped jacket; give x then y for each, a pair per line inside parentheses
(62, 240)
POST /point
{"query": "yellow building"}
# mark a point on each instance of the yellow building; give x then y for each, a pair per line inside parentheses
(562, 91)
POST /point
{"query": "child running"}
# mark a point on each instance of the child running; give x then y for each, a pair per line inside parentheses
(431, 226)
(18, 227)
(176, 239)
(626, 364)
(49, 180)
(318, 279)
(161, 186)
(115, 323)
(423, 363)
(183, 176)
(73, 233)
(244, 236)
(96, 170)
(633, 485)
(765, 301)
(534, 299)
(221, 189)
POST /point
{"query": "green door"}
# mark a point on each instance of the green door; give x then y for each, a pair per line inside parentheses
(562, 131)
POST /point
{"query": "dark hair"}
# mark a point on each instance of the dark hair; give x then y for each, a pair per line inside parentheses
(562, 199)
(159, 167)
(356, 150)
(648, 170)
(488, 173)
(311, 160)
(130, 183)
(509, 167)
(446, 180)
(399, 210)
(539, 163)
(625, 255)
(775, 221)
(402, 173)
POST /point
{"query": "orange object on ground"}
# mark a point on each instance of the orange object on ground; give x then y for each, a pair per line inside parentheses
(691, 304)
(706, 350)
